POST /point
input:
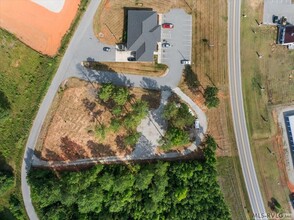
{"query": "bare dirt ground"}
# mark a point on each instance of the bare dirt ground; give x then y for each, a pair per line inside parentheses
(109, 18)
(68, 133)
(36, 26)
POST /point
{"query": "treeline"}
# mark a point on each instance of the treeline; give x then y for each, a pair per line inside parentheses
(162, 190)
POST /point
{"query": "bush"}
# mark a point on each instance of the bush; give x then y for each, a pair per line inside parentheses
(6, 182)
(100, 131)
(4, 105)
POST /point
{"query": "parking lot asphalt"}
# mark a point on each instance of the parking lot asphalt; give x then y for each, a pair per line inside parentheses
(279, 8)
(180, 37)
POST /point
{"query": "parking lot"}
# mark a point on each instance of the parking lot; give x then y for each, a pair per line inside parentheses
(279, 8)
(179, 37)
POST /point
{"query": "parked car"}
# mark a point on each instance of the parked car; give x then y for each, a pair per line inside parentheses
(131, 59)
(185, 62)
(275, 19)
(197, 124)
(106, 49)
(165, 45)
(167, 25)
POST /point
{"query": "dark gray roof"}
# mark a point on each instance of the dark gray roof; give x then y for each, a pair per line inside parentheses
(143, 33)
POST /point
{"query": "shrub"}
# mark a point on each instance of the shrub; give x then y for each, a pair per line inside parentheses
(100, 131)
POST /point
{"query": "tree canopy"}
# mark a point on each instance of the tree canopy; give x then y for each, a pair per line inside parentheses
(210, 95)
(161, 190)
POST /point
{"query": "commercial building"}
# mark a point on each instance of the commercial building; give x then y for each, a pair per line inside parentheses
(286, 35)
(289, 121)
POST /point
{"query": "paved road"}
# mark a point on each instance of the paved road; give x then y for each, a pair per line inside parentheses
(82, 46)
(239, 120)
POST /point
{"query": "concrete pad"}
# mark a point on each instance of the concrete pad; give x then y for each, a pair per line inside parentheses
(52, 5)
(122, 56)
(279, 8)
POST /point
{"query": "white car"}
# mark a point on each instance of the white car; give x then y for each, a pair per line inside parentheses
(197, 124)
(165, 45)
(185, 62)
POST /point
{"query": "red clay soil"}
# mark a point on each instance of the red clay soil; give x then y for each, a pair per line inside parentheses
(36, 26)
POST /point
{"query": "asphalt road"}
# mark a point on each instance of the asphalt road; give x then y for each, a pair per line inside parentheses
(84, 45)
(239, 121)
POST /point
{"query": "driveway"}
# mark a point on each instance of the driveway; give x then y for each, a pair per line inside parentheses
(279, 8)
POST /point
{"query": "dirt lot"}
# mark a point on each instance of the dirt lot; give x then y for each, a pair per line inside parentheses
(36, 26)
(267, 82)
(68, 132)
(109, 18)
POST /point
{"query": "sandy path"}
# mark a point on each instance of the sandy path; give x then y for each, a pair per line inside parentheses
(36, 26)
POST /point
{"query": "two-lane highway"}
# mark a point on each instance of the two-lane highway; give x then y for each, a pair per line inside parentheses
(239, 121)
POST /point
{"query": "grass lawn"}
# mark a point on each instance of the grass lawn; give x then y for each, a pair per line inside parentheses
(210, 65)
(146, 69)
(230, 183)
(24, 78)
(266, 82)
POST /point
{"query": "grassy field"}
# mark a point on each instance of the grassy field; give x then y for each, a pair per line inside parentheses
(24, 78)
(266, 83)
(210, 65)
(146, 69)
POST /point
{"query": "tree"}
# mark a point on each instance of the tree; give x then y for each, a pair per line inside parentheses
(132, 138)
(114, 125)
(121, 95)
(117, 110)
(140, 109)
(170, 111)
(191, 78)
(179, 116)
(175, 137)
(210, 95)
(160, 190)
(106, 92)
(184, 117)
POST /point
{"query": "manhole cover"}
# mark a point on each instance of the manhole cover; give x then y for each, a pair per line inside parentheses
(101, 34)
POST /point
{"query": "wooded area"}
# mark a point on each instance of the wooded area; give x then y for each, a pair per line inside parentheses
(161, 190)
